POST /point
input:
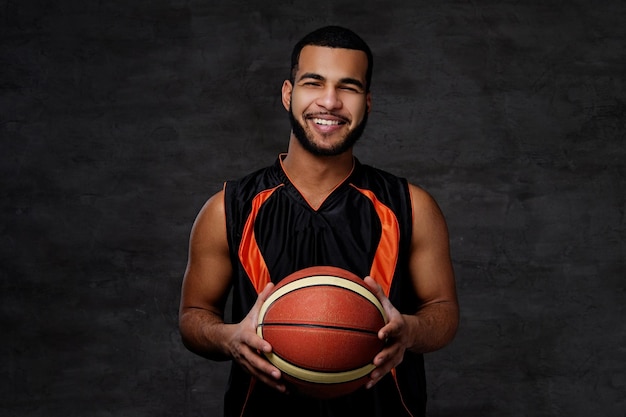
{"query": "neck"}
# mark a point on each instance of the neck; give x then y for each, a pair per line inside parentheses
(303, 166)
(316, 176)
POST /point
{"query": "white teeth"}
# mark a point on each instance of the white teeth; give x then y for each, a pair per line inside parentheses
(326, 122)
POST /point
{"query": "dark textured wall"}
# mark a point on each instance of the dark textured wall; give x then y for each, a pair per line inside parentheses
(119, 119)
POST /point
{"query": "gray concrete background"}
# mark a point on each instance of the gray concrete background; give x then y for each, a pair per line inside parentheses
(119, 119)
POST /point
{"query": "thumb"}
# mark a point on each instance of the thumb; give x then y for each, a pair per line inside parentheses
(256, 308)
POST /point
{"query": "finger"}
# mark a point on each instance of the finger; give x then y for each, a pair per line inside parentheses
(261, 298)
(257, 342)
(376, 289)
(276, 384)
(266, 292)
(379, 293)
(393, 330)
(264, 366)
(376, 375)
(390, 328)
(374, 286)
(266, 373)
(385, 361)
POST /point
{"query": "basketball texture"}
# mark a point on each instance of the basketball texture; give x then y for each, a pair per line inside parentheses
(322, 323)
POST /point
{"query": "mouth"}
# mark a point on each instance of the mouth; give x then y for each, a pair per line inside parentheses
(327, 120)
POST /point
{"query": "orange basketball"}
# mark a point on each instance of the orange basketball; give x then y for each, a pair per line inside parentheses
(322, 323)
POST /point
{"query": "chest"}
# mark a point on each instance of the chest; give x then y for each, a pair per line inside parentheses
(344, 231)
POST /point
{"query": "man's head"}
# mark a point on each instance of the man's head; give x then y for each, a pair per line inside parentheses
(333, 37)
(327, 94)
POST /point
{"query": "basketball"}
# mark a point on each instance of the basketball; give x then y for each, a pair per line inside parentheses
(322, 323)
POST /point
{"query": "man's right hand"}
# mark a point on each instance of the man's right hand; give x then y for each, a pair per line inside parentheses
(247, 348)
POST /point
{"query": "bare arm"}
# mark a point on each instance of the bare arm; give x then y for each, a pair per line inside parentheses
(206, 283)
(435, 323)
(203, 297)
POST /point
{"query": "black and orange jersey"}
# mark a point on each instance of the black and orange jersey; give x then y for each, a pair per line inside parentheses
(364, 226)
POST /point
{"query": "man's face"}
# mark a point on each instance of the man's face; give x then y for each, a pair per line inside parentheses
(328, 104)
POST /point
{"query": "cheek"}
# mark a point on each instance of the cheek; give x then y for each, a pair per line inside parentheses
(358, 110)
(297, 104)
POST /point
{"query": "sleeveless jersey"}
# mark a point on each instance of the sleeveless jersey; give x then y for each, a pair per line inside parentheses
(363, 226)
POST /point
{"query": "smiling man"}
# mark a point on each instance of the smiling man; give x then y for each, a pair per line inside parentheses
(329, 103)
(318, 205)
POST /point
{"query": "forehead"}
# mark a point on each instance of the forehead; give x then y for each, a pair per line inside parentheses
(332, 62)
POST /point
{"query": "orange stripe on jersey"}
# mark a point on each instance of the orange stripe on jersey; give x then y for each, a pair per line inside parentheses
(386, 256)
(249, 252)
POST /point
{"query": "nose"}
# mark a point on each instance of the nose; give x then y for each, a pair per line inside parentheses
(329, 99)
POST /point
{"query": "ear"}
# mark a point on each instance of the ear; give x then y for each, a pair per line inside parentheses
(286, 94)
(368, 102)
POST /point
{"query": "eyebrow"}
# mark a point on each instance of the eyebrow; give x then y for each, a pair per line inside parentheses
(346, 80)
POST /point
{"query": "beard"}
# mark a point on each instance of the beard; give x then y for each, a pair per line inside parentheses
(306, 138)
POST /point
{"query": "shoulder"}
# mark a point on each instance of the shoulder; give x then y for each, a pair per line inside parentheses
(211, 213)
(427, 215)
(420, 197)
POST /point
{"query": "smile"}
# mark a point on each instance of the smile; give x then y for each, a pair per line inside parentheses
(325, 122)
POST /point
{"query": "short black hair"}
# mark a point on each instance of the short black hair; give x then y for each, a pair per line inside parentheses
(333, 37)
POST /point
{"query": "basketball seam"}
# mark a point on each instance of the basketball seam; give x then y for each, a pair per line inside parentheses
(320, 326)
(282, 291)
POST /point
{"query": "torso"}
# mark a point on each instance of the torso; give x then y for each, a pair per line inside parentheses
(362, 225)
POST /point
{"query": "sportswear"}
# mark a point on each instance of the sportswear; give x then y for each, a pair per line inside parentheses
(364, 226)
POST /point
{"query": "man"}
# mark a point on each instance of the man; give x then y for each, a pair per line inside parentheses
(318, 205)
